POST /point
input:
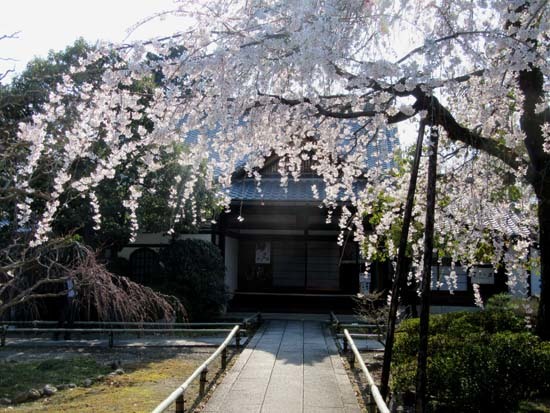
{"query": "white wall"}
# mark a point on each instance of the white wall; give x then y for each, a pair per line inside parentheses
(231, 263)
(204, 237)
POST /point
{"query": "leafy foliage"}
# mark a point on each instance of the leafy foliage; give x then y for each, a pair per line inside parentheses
(77, 217)
(154, 212)
(195, 273)
(25, 97)
(482, 361)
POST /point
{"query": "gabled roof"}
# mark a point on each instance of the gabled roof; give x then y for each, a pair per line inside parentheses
(270, 189)
(244, 188)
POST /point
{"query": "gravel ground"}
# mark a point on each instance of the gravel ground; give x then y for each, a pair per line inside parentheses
(122, 355)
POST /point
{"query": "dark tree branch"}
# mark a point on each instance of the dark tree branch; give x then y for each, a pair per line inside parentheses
(9, 36)
(6, 73)
(454, 36)
(422, 368)
(439, 115)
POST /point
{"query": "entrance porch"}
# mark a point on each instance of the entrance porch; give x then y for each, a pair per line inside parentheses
(286, 257)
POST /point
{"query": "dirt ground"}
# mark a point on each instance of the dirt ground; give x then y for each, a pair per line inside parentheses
(150, 375)
(373, 361)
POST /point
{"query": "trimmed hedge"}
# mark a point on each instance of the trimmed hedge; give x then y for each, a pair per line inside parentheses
(478, 362)
(195, 273)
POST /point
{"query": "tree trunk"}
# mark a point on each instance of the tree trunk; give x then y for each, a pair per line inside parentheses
(421, 372)
(531, 83)
(543, 318)
(401, 270)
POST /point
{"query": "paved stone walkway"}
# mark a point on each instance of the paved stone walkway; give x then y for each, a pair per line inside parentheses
(288, 367)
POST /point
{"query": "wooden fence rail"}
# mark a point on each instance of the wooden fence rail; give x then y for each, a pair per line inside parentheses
(334, 321)
(370, 329)
(119, 327)
(115, 324)
(178, 395)
(110, 332)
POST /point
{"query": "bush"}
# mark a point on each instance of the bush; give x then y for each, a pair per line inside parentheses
(195, 273)
(478, 362)
(525, 308)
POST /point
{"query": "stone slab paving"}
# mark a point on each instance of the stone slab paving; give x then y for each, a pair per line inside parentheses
(289, 366)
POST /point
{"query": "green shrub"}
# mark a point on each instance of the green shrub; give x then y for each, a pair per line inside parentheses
(524, 308)
(195, 273)
(477, 362)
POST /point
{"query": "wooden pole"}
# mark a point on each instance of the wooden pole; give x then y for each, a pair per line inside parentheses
(180, 403)
(401, 270)
(202, 382)
(351, 360)
(421, 372)
(224, 358)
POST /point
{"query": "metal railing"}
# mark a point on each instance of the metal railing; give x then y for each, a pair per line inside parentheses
(376, 401)
(178, 395)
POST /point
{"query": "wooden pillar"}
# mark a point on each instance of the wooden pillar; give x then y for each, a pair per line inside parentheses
(421, 371)
(401, 271)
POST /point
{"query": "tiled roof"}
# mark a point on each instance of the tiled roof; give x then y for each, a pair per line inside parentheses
(271, 190)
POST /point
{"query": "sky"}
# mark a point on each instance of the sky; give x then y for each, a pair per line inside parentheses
(45, 25)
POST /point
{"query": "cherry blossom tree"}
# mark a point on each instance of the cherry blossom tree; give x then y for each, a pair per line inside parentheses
(28, 276)
(323, 80)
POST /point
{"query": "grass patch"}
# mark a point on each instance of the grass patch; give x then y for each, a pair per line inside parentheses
(18, 377)
(140, 389)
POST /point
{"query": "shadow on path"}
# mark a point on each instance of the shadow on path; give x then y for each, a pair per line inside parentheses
(288, 366)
